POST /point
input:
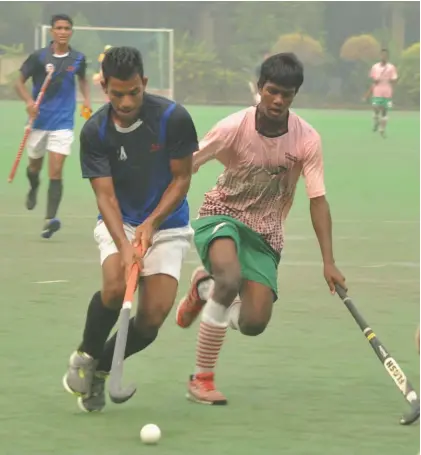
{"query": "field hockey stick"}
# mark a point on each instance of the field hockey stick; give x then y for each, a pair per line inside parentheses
(390, 364)
(117, 393)
(50, 70)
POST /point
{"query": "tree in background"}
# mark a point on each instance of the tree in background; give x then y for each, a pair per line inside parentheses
(358, 53)
(409, 76)
(307, 49)
(362, 48)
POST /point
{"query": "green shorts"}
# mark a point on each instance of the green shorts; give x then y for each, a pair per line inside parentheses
(385, 103)
(259, 262)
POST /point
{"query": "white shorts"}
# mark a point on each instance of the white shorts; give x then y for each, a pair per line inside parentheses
(40, 141)
(166, 255)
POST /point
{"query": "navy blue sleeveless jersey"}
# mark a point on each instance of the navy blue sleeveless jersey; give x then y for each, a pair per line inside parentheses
(138, 158)
(58, 106)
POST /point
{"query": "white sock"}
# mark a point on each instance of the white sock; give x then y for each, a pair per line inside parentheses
(205, 288)
(234, 313)
(215, 314)
(383, 122)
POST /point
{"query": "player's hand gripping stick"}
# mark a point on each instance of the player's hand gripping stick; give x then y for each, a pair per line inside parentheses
(50, 70)
(392, 367)
(117, 393)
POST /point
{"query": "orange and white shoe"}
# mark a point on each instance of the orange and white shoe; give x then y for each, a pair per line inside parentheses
(191, 304)
(201, 389)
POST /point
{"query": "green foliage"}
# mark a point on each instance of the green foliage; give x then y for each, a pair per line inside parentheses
(13, 50)
(88, 42)
(408, 89)
(256, 26)
(199, 75)
(362, 48)
(307, 49)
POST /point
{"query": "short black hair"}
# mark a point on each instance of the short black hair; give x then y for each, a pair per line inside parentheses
(61, 17)
(282, 69)
(122, 63)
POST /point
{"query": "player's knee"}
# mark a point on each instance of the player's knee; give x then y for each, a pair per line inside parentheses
(146, 330)
(252, 328)
(35, 166)
(152, 320)
(113, 293)
(56, 173)
(227, 285)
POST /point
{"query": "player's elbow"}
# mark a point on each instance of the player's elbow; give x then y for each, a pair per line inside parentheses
(318, 202)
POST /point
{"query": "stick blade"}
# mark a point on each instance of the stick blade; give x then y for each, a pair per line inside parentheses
(412, 416)
(117, 393)
(121, 395)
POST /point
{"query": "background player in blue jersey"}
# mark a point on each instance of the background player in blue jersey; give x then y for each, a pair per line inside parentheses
(54, 122)
(137, 152)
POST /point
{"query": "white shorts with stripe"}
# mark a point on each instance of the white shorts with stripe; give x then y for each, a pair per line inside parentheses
(166, 255)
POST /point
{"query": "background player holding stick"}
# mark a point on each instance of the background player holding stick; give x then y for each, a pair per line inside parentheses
(239, 234)
(137, 152)
(54, 120)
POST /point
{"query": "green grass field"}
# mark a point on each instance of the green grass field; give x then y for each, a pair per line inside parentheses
(309, 385)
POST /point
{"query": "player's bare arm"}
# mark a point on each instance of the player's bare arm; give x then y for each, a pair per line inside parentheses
(24, 95)
(181, 171)
(313, 172)
(322, 224)
(110, 211)
(84, 90)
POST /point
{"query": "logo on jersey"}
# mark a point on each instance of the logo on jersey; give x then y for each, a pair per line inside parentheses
(155, 147)
(291, 157)
(218, 226)
(122, 154)
(49, 68)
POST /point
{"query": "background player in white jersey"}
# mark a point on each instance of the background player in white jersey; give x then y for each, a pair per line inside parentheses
(54, 120)
(384, 75)
(239, 233)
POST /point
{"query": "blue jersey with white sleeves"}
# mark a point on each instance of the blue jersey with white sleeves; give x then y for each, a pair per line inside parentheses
(59, 103)
(138, 157)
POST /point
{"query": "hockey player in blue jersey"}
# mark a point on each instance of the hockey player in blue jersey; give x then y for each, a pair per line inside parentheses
(54, 120)
(137, 153)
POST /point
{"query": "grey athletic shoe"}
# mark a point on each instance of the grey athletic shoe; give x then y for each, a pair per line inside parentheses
(96, 400)
(79, 377)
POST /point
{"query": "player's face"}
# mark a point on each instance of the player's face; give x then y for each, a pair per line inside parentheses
(384, 57)
(275, 100)
(61, 32)
(126, 96)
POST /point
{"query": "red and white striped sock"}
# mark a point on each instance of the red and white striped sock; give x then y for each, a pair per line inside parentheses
(213, 327)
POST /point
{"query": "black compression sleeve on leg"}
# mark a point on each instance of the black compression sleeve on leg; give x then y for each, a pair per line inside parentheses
(99, 322)
(33, 178)
(55, 191)
(136, 341)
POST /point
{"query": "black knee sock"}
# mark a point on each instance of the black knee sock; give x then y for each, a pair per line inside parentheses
(55, 190)
(99, 322)
(136, 342)
(33, 178)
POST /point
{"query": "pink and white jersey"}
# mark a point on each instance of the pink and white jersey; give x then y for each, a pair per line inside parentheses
(261, 173)
(385, 74)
